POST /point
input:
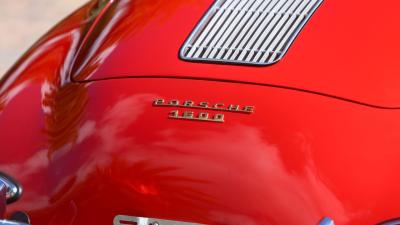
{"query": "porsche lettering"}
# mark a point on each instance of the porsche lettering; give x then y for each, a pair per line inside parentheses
(247, 109)
(204, 109)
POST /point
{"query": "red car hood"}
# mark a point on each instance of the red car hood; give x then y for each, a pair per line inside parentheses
(348, 49)
(86, 153)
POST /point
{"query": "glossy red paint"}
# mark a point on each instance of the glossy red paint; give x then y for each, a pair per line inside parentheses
(96, 153)
(88, 151)
(348, 49)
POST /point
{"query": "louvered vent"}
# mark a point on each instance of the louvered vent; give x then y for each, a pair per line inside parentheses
(257, 32)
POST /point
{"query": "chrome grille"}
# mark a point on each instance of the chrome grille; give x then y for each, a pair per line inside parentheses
(257, 32)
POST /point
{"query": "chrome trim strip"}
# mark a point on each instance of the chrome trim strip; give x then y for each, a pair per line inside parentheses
(5, 222)
(13, 189)
(122, 220)
(251, 32)
(393, 222)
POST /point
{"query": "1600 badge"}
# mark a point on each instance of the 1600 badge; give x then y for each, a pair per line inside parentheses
(204, 107)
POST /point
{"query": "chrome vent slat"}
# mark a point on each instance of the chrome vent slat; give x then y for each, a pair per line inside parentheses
(222, 30)
(250, 19)
(295, 22)
(262, 29)
(284, 25)
(229, 35)
(207, 29)
(278, 32)
(257, 32)
(269, 33)
(253, 29)
(211, 35)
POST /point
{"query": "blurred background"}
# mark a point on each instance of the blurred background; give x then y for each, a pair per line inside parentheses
(22, 22)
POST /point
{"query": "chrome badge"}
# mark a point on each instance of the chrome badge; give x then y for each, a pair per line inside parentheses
(207, 112)
(124, 220)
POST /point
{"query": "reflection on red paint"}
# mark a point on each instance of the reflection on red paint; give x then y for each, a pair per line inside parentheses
(86, 152)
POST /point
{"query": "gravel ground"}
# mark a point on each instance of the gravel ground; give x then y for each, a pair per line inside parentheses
(22, 22)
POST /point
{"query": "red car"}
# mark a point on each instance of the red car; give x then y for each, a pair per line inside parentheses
(202, 112)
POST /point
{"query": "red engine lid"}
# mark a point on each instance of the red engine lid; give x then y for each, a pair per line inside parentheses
(348, 49)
